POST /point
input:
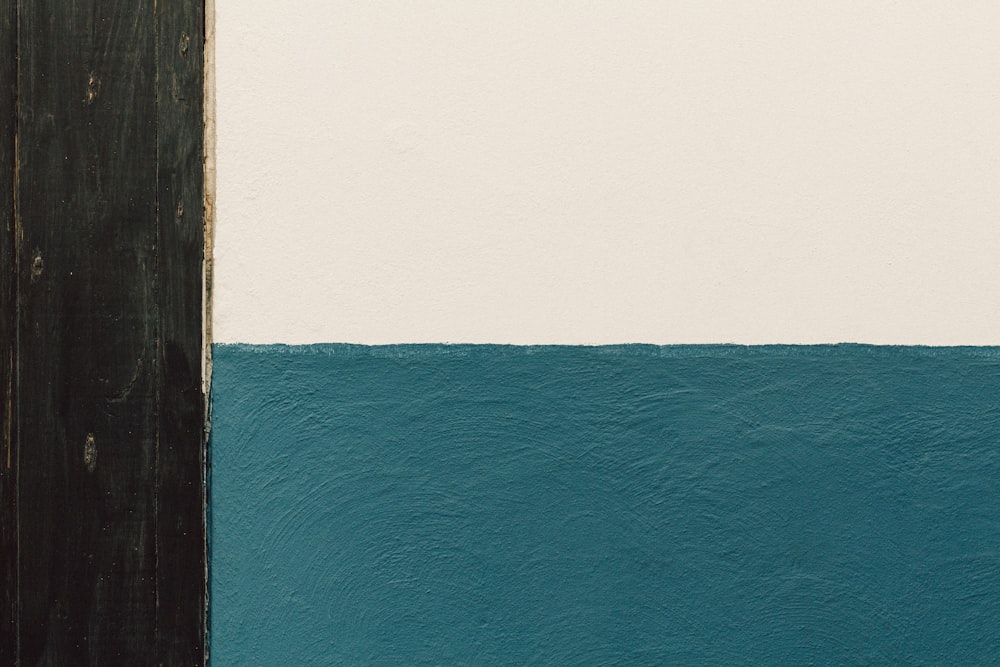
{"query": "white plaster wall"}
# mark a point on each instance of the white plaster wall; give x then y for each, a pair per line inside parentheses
(608, 171)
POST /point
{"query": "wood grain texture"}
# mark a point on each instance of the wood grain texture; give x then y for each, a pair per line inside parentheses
(8, 497)
(180, 240)
(111, 521)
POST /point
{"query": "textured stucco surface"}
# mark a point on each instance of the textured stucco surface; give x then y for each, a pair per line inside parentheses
(657, 171)
(631, 505)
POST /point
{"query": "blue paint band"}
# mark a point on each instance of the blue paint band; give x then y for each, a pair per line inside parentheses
(639, 505)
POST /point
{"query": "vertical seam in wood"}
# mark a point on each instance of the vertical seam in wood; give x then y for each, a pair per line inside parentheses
(158, 348)
(14, 382)
(15, 228)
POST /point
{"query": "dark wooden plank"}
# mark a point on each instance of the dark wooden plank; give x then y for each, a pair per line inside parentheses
(110, 466)
(181, 576)
(8, 496)
(87, 209)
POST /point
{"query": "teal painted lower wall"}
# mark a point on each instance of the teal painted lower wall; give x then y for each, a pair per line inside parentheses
(637, 505)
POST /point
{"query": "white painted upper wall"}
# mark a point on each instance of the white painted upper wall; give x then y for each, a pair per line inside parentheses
(620, 171)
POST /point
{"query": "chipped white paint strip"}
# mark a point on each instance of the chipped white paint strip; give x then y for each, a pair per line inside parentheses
(472, 171)
(207, 266)
(210, 189)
